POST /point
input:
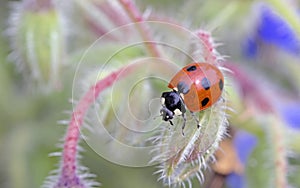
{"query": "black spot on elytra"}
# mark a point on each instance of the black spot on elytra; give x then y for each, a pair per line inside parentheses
(191, 68)
(221, 84)
(205, 83)
(183, 88)
(204, 101)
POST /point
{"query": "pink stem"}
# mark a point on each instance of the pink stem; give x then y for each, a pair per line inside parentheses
(73, 133)
(249, 88)
(99, 30)
(136, 16)
(70, 149)
(115, 14)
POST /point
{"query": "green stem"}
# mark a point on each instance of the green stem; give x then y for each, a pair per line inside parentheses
(280, 163)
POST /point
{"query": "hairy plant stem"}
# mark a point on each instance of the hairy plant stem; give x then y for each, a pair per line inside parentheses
(70, 148)
(274, 128)
(277, 139)
(137, 17)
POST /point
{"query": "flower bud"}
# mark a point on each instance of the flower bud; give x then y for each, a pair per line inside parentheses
(37, 41)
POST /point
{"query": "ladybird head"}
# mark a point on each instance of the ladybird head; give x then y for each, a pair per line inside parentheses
(172, 104)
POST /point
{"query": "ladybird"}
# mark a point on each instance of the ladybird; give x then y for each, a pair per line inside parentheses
(196, 87)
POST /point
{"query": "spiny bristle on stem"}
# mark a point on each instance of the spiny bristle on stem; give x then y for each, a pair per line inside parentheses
(70, 173)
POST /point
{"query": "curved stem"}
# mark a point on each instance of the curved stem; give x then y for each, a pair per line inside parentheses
(250, 88)
(136, 16)
(70, 148)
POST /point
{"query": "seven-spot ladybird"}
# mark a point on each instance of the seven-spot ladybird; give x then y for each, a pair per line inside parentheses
(195, 87)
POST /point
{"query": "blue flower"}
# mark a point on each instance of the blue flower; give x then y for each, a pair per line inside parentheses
(291, 114)
(273, 30)
(250, 47)
(244, 143)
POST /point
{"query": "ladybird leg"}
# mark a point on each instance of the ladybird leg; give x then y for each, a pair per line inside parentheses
(171, 122)
(196, 119)
(183, 125)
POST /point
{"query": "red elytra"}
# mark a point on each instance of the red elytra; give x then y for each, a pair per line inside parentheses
(195, 87)
(204, 83)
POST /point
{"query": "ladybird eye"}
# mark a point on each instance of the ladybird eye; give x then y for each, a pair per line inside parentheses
(191, 68)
